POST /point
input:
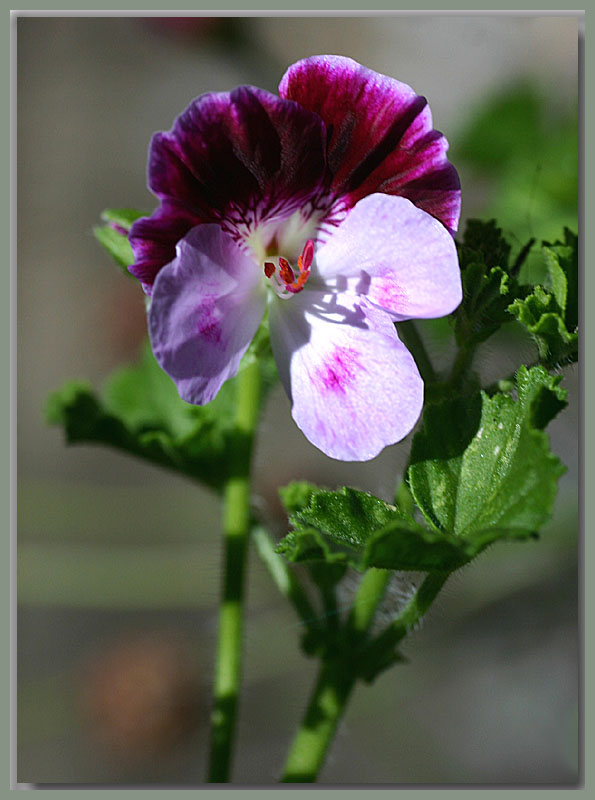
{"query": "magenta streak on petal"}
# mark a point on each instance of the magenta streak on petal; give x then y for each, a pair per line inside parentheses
(206, 307)
(209, 326)
(339, 372)
(386, 293)
(395, 254)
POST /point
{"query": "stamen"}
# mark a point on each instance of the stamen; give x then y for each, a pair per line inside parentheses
(285, 271)
(287, 282)
(305, 260)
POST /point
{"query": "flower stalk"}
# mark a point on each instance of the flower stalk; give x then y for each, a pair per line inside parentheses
(326, 707)
(338, 676)
(333, 688)
(236, 532)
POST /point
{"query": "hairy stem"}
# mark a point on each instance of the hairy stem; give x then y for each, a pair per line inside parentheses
(367, 599)
(283, 576)
(325, 709)
(337, 677)
(411, 614)
(461, 365)
(236, 531)
(336, 680)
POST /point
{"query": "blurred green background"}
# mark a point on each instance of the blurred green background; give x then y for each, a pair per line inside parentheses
(118, 562)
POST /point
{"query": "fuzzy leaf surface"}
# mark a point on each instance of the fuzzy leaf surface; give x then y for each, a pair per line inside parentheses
(352, 528)
(489, 282)
(483, 464)
(140, 412)
(550, 312)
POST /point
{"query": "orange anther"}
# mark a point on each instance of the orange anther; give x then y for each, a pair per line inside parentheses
(285, 271)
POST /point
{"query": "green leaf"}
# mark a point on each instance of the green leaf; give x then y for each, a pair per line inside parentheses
(406, 545)
(550, 312)
(116, 244)
(308, 544)
(479, 466)
(484, 243)
(122, 217)
(326, 568)
(489, 283)
(144, 397)
(335, 529)
(347, 516)
(140, 412)
(330, 526)
(561, 260)
(113, 236)
(556, 279)
(541, 394)
(567, 255)
(556, 345)
(297, 494)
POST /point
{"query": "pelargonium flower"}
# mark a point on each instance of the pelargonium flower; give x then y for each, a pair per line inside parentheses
(333, 206)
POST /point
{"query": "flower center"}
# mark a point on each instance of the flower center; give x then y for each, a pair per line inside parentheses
(284, 279)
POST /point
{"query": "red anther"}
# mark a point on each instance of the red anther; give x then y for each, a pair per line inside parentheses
(269, 269)
(307, 255)
(285, 271)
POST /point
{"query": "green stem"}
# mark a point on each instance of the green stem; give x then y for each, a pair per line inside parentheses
(403, 497)
(367, 599)
(236, 530)
(333, 688)
(410, 337)
(461, 365)
(337, 677)
(283, 576)
(325, 709)
(411, 614)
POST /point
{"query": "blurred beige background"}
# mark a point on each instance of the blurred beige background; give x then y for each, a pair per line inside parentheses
(111, 548)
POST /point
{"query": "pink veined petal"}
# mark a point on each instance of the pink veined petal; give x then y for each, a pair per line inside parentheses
(354, 386)
(380, 135)
(207, 305)
(398, 256)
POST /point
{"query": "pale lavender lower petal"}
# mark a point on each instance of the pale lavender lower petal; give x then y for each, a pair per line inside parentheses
(398, 256)
(206, 307)
(354, 386)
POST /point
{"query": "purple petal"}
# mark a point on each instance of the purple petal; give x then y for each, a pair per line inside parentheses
(395, 254)
(206, 307)
(380, 135)
(153, 240)
(235, 158)
(354, 386)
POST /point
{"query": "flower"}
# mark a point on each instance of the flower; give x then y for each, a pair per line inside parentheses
(332, 205)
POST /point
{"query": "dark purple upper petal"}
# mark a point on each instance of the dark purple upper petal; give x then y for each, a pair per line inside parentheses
(234, 158)
(380, 136)
(154, 239)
